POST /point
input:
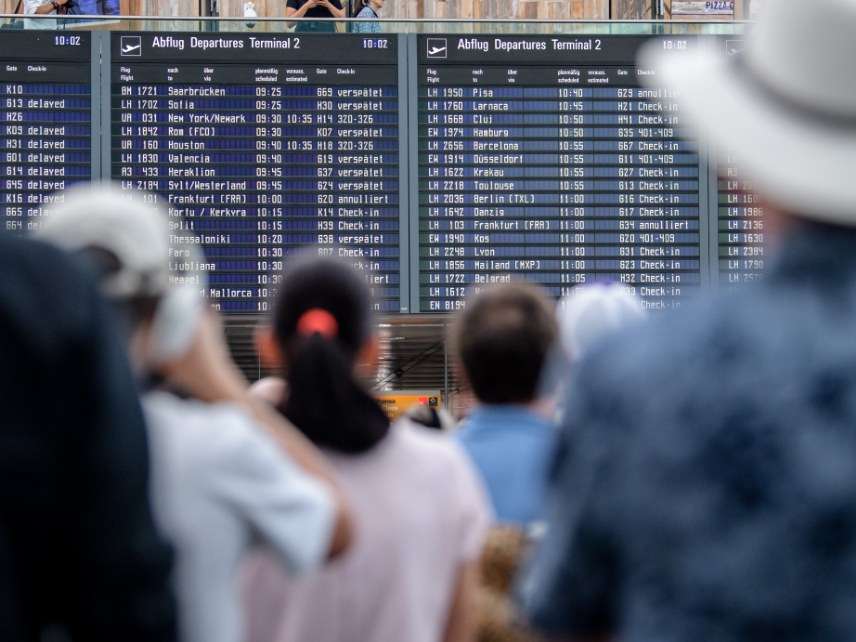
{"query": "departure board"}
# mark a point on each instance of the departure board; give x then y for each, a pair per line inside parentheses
(263, 144)
(45, 123)
(543, 158)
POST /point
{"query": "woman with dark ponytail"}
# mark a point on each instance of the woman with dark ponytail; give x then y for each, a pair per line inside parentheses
(420, 515)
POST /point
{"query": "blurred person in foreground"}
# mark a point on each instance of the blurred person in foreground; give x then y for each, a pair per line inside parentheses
(502, 341)
(80, 558)
(710, 491)
(227, 472)
(420, 515)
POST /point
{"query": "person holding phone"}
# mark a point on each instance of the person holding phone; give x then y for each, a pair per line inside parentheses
(319, 10)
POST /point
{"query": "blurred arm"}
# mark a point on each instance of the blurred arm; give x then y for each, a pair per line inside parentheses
(292, 12)
(208, 373)
(462, 623)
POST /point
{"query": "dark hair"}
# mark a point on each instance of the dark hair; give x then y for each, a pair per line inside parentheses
(104, 264)
(425, 415)
(325, 400)
(503, 338)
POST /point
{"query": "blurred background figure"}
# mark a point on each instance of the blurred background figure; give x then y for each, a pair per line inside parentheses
(225, 470)
(419, 512)
(710, 493)
(502, 340)
(593, 312)
(431, 415)
(93, 7)
(51, 7)
(587, 316)
(80, 558)
(44, 8)
(368, 12)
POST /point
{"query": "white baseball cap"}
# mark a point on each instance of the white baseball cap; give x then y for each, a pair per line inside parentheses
(592, 312)
(137, 234)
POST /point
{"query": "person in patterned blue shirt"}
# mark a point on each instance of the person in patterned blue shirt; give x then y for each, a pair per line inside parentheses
(706, 484)
(93, 7)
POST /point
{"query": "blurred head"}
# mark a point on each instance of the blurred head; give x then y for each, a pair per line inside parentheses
(592, 312)
(502, 339)
(127, 244)
(377, 5)
(324, 336)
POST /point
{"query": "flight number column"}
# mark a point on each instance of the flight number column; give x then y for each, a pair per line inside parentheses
(473, 204)
(189, 135)
(741, 233)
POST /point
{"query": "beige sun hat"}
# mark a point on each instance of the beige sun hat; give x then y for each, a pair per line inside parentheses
(784, 108)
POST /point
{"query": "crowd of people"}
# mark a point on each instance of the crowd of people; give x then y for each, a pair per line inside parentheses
(319, 15)
(689, 476)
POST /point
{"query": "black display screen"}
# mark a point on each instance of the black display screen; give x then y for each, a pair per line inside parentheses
(438, 163)
(45, 123)
(261, 145)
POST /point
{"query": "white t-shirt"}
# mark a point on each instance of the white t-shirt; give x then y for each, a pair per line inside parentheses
(218, 482)
(419, 513)
(30, 7)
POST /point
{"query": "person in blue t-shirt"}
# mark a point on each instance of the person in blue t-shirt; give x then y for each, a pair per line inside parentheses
(93, 7)
(367, 18)
(503, 339)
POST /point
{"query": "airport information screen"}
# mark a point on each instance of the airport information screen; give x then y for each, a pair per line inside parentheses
(45, 121)
(260, 145)
(543, 157)
(438, 163)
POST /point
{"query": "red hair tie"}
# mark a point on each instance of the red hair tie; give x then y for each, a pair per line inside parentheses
(318, 321)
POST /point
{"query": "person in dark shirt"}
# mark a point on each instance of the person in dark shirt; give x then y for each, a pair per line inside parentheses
(319, 10)
(79, 554)
(706, 489)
